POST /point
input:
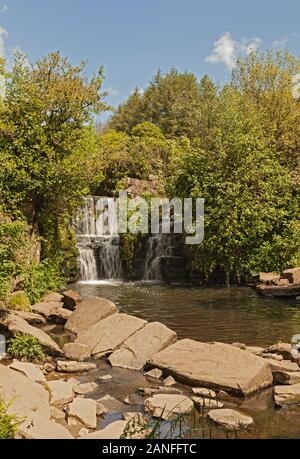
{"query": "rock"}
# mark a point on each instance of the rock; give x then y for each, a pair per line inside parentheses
(156, 373)
(59, 316)
(57, 414)
(203, 392)
(74, 367)
(298, 299)
(292, 275)
(241, 346)
(61, 392)
(52, 298)
(230, 419)
(31, 317)
(85, 411)
(101, 410)
(277, 357)
(285, 377)
(46, 309)
(77, 351)
(82, 389)
(105, 378)
(133, 399)
(284, 291)
(287, 395)
(268, 278)
(28, 397)
(30, 370)
(140, 347)
(255, 350)
(110, 403)
(108, 334)
(206, 403)
(168, 406)
(282, 282)
(40, 428)
(71, 299)
(275, 365)
(15, 325)
(169, 382)
(89, 312)
(215, 365)
(283, 349)
(168, 390)
(19, 301)
(113, 431)
(49, 368)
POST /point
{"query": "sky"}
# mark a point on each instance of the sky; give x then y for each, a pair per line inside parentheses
(133, 38)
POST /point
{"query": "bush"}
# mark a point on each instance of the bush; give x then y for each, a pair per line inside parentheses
(8, 423)
(42, 278)
(18, 301)
(26, 348)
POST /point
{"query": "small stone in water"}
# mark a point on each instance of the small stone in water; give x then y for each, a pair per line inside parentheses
(207, 403)
(82, 389)
(169, 382)
(105, 378)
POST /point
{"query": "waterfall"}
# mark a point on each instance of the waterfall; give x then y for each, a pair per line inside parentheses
(97, 240)
(158, 246)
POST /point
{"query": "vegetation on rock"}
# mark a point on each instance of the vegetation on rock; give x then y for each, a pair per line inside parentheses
(27, 349)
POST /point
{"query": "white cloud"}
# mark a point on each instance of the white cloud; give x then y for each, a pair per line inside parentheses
(3, 36)
(113, 92)
(3, 9)
(226, 50)
(277, 44)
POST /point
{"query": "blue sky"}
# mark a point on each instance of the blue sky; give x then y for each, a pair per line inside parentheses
(133, 38)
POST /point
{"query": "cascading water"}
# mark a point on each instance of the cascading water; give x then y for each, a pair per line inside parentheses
(97, 240)
(158, 246)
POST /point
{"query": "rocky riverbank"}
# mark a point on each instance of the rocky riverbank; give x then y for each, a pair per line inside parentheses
(116, 372)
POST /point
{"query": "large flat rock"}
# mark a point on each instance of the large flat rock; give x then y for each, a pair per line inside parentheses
(15, 325)
(140, 347)
(168, 406)
(40, 428)
(88, 312)
(113, 431)
(108, 334)
(279, 291)
(287, 395)
(214, 365)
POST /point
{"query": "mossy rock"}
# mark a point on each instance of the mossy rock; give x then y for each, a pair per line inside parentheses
(19, 301)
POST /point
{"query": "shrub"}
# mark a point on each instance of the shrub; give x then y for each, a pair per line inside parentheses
(26, 348)
(41, 278)
(9, 423)
(18, 301)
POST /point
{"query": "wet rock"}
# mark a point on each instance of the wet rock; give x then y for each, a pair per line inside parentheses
(292, 275)
(52, 298)
(287, 395)
(88, 312)
(169, 382)
(290, 290)
(30, 370)
(105, 378)
(168, 406)
(74, 367)
(283, 349)
(110, 403)
(84, 410)
(230, 419)
(203, 392)
(155, 373)
(71, 299)
(108, 334)
(77, 351)
(215, 365)
(43, 429)
(82, 389)
(269, 278)
(61, 393)
(31, 318)
(140, 347)
(15, 325)
(113, 431)
(277, 366)
(101, 410)
(207, 403)
(285, 377)
(45, 309)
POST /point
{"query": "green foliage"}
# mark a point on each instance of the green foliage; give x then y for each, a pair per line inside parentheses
(9, 423)
(43, 277)
(26, 348)
(18, 301)
(130, 244)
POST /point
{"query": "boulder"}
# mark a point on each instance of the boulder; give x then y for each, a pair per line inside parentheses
(255, 349)
(108, 334)
(40, 428)
(15, 325)
(169, 382)
(279, 291)
(31, 317)
(113, 431)
(287, 395)
(140, 347)
(30, 370)
(52, 297)
(283, 349)
(61, 393)
(85, 388)
(88, 312)
(286, 377)
(168, 406)
(46, 309)
(71, 299)
(203, 392)
(203, 403)
(155, 373)
(59, 316)
(215, 365)
(110, 403)
(283, 365)
(230, 419)
(85, 411)
(77, 351)
(292, 275)
(268, 278)
(74, 367)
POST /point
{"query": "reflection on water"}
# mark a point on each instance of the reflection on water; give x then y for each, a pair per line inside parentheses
(205, 314)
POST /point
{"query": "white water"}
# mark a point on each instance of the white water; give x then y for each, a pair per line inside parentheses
(158, 246)
(87, 266)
